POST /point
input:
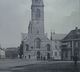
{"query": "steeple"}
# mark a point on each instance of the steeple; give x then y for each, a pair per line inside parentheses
(51, 36)
(37, 10)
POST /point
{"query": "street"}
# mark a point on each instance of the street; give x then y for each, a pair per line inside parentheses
(46, 67)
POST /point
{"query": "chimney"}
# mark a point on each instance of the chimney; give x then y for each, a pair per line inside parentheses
(76, 28)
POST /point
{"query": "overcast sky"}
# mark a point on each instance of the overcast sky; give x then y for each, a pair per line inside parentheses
(61, 16)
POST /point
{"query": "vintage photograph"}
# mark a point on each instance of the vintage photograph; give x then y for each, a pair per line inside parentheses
(39, 35)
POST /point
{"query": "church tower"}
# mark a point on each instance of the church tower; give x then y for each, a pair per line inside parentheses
(37, 17)
(37, 46)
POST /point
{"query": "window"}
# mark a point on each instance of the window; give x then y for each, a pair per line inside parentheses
(59, 53)
(32, 47)
(69, 44)
(66, 54)
(37, 31)
(48, 47)
(37, 43)
(29, 56)
(76, 44)
(25, 57)
(27, 47)
(55, 53)
(55, 41)
(55, 46)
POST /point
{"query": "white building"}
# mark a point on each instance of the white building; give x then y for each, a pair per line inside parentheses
(11, 53)
(2, 53)
(56, 43)
(37, 46)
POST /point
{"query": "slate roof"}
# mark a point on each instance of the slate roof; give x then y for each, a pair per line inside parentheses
(74, 34)
(57, 36)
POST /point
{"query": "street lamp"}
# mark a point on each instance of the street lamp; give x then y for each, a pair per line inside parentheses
(75, 57)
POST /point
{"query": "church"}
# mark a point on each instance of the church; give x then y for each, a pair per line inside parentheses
(36, 45)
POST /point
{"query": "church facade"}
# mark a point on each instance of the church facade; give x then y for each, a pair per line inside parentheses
(37, 46)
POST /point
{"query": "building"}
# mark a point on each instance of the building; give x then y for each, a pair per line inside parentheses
(11, 53)
(56, 43)
(2, 53)
(71, 45)
(37, 46)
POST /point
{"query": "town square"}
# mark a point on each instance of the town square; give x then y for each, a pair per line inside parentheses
(40, 36)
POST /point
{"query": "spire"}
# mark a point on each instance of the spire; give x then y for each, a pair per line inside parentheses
(51, 36)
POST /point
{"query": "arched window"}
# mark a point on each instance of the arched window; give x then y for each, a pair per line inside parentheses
(27, 47)
(37, 42)
(38, 13)
(29, 56)
(48, 47)
(56, 53)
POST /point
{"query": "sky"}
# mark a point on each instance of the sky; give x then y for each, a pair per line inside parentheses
(61, 16)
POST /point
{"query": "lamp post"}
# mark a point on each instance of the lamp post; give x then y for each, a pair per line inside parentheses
(75, 59)
(75, 47)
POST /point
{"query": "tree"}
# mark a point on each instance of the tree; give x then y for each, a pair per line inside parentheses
(21, 50)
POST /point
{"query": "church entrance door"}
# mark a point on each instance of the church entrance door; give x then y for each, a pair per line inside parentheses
(48, 56)
(38, 55)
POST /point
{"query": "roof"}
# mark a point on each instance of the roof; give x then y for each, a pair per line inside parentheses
(12, 49)
(1, 49)
(58, 36)
(73, 34)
